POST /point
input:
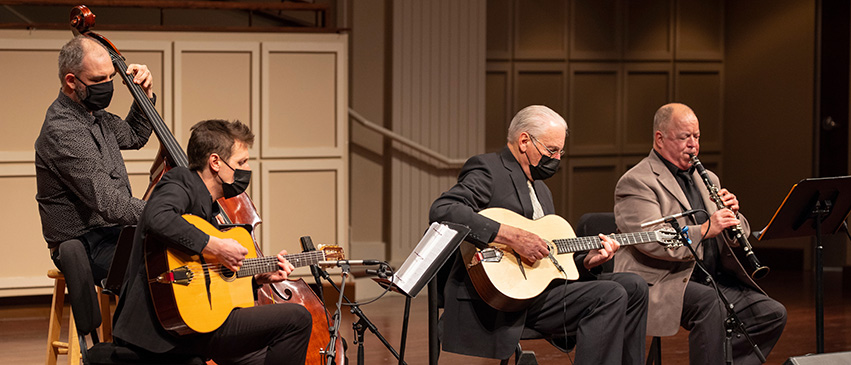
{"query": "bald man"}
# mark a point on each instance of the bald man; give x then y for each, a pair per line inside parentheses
(665, 183)
(83, 189)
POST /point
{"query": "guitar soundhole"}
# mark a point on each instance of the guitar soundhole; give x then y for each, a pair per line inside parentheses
(227, 274)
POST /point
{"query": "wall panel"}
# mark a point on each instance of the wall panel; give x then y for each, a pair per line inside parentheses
(647, 87)
(21, 125)
(591, 187)
(499, 26)
(540, 29)
(649, 30)
(229, 95)
(700, 86)
(300, 109)
(540, 83)
(498, 91)
(596, 29)
(595, 111)
(303, 198)
(700, 30)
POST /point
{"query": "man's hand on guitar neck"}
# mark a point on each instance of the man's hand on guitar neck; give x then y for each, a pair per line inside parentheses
(284, 270)
(598, 257)
(226, 251)
(528, 245)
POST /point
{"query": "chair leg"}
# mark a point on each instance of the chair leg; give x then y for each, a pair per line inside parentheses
(654, 356)
(54, 347)
(105, 315)
(74, 354)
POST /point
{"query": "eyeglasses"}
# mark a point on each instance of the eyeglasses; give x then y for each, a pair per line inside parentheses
(551, 152)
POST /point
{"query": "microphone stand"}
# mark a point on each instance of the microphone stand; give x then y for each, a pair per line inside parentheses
(360, 326)
(331, 351)
(732, 323)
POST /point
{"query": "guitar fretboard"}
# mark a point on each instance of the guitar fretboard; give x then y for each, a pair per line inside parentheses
(260, 265)
(576, 244)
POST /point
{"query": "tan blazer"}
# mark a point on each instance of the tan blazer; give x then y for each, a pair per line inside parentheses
(649, 191)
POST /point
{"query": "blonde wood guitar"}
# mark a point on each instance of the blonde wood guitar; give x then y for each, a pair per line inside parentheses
(507, 283)
(194, 296)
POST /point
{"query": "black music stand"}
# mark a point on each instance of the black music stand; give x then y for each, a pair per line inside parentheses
(813, 206)
(430, 256)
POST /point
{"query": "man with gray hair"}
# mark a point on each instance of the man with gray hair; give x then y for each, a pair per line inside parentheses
(608, 317)
(83, 188)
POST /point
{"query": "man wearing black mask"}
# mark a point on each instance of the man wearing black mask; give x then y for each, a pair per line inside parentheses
(608, 317)
(83, 189)
(218, 167)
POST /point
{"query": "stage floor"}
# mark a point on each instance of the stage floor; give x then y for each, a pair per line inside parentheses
(23, 327)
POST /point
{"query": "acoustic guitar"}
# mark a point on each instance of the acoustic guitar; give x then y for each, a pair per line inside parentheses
(507, 283)
(191, 295)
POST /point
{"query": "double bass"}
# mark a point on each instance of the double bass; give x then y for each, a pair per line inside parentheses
(236, 210)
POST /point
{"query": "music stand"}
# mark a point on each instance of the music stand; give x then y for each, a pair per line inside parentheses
(812, 206)
(434, 249)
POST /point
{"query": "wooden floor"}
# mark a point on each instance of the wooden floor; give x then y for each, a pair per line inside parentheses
(23, 328)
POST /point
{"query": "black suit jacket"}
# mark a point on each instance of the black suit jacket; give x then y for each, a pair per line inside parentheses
(179, 192)
(468, 325)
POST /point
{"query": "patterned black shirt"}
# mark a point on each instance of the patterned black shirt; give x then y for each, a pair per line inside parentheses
(80, 175)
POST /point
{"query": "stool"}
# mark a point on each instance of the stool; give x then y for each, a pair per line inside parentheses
(55, 347)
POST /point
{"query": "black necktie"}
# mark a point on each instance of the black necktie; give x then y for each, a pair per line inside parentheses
(710, 247)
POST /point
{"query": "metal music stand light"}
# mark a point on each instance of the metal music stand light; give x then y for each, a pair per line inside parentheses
(813, 206)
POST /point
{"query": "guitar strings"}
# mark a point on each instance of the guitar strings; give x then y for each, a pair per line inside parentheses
(260, 263)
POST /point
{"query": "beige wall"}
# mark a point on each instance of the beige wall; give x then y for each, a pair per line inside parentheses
(291, 89)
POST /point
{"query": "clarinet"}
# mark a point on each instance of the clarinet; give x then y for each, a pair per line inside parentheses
(737, 232)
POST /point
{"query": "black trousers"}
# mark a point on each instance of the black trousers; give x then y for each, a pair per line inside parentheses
(607, 315)
(267, 334)
(704, 316)
(100, 246)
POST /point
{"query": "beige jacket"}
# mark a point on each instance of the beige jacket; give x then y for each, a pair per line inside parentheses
(649, 191)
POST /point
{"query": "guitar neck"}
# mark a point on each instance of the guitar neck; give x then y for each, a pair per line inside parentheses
(577, 244)
(260, 265)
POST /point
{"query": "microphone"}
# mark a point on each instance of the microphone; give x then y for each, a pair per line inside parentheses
(669, 218)
(351, 262)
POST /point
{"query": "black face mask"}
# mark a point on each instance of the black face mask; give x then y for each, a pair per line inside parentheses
(98, 96)
(545, 169)
(241, 178)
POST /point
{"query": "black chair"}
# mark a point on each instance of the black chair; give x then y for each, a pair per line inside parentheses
(593, 223)
(76, 268)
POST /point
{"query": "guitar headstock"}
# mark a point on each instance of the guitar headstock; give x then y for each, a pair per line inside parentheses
(332, 252)
(668, 237)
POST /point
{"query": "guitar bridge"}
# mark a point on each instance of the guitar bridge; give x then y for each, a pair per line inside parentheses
(181, 275)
